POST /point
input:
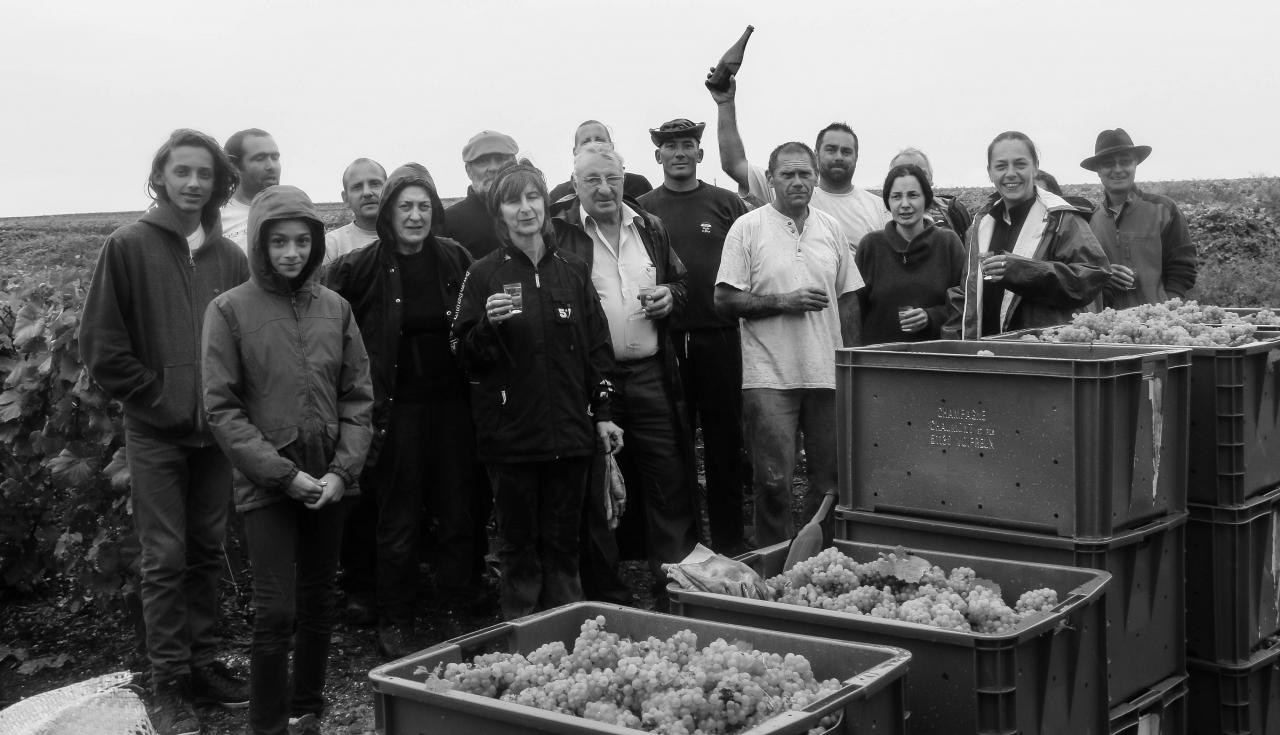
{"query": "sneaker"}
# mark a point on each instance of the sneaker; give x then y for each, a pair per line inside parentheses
(171, 710)
(215, 683)
(395, 641)
(307, 724)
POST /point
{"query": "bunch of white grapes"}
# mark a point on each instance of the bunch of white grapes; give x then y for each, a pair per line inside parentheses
(955, 600)
(1174, 322)
(668, 686)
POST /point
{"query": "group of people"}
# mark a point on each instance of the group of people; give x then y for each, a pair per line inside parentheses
(432, 367)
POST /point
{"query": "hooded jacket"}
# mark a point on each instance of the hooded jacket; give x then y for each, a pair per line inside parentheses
(902, 273)
(1064, 271)
(140, 328)
(369, 278)
(286, 376)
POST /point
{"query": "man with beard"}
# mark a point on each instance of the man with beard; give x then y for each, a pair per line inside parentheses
(946, 212)
(256, 157)
(783, 266)
(858, 211)
(634, 186)
(362, 184)
(468, 221)
(697, 216)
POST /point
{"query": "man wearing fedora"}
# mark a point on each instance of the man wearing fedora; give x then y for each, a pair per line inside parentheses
(698, 216)
(468, 221)
(1144, 235)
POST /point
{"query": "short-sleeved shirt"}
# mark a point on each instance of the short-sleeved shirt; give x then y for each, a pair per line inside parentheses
(764, 253)
(235, 223)
(858, 211)
(346, 238)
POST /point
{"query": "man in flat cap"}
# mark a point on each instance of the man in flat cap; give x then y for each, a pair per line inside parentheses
(468, 221)
(593, 131)
(697, 216)
(1144, 235)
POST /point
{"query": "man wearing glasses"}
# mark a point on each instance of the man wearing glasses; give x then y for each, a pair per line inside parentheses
(641, 284)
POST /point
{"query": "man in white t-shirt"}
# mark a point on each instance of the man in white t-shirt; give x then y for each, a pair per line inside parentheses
(256, 157)
(362, 183)
(784, 267)
(857, 210)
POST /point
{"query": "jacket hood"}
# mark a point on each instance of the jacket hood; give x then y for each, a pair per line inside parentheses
(163, 215)
(410, 174)
(277, 203)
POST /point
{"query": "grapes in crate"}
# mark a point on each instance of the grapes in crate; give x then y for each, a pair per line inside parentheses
(905, 587)
(1174, 322)
(669, 686)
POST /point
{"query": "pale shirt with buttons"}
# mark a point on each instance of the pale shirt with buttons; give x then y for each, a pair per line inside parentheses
(618, 275)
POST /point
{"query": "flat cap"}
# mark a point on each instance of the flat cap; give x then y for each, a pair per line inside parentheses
(488, 141)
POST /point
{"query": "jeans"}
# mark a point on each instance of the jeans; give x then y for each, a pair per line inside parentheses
(711, 370)
(772, 417)
(539, 507)
(180, 497)
(429, 457)
(294, 552)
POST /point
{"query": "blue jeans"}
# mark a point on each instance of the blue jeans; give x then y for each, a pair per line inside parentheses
(539, 508)
(771, 419)
(295, 560)
(180, 497)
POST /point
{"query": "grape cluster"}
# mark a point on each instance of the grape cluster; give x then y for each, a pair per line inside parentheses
(1174, 322)
(907, 588)
(668, 686)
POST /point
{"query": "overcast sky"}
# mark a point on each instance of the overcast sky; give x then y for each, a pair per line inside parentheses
(91, 89)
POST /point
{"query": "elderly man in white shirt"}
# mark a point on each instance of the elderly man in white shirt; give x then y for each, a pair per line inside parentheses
(640, 281)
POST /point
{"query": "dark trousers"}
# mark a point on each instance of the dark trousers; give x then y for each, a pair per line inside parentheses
(653, 462)
(711, 370)
(429, 458)
(180, 496)
(538, 507)
(294, 552)
(772, 419)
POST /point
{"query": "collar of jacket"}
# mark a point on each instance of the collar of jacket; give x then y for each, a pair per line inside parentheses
(164, 216)
(569, 211)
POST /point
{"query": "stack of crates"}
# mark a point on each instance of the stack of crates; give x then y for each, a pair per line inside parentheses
(1073, 455)
(1233, 552)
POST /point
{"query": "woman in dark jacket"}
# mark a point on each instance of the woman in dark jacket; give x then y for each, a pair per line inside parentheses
(908, 266)
(287, 391)
(539, 393)
(1031, 259)
(403, 288)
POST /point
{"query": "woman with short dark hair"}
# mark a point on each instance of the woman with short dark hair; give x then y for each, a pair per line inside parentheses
(533, 338)
(908, 266)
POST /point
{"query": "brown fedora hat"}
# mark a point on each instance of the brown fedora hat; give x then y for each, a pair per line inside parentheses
(1111, 142)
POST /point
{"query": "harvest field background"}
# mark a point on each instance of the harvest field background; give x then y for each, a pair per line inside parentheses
(68, 560)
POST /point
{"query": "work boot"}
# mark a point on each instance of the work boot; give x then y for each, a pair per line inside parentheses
(172, 712)
(307, 724)
(215, 683)
(396, 641)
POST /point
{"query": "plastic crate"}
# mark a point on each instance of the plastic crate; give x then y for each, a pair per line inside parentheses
(1233, 601)
(1236, 700)
(871, 700)
(1070, 440)
(1041, 677)
(1146, 635)
(1162, 710)
(1234, 422)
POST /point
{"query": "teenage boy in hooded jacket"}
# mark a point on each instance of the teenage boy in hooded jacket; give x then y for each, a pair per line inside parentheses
(140, 340)
(287, 390)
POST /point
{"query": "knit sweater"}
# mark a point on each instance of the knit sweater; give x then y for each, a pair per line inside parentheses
(900, 273)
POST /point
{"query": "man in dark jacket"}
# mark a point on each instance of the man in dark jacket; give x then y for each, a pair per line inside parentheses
(641, 283)
(698, 216)
(140, 339)
(468, 221)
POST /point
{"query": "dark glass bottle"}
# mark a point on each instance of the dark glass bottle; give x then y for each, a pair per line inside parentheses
(718, 80)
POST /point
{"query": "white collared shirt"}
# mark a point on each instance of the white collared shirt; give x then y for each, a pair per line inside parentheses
(618, 272)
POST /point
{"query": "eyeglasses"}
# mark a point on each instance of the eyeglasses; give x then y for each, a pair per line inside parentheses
(595, 181)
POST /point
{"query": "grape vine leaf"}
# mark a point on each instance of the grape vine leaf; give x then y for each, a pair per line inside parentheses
(28, 324)
(69, 470)
(904, 565)
(10, 406)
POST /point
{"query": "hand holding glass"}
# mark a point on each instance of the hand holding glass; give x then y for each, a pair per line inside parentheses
(516, 292)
